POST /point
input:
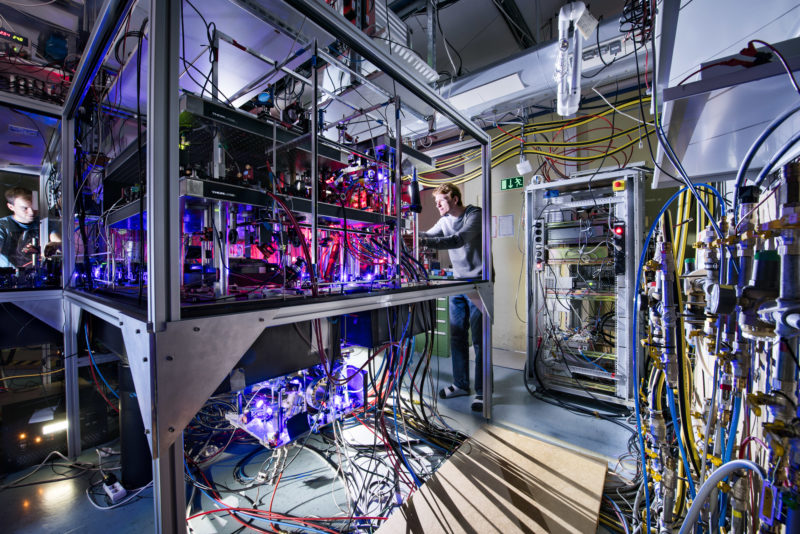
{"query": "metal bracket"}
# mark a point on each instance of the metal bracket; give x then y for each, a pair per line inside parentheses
(191, 361)
(49, 312)
(486, 294)
(139, 346)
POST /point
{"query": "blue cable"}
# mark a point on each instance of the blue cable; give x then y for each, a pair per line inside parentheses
(237, 513)
(635, 345)
(417, 481)
(676, 427)
(585, 357)
(728, 452)
(635, 341)
(91, 356)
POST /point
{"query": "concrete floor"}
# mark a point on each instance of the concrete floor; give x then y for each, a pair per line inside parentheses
(62, 506)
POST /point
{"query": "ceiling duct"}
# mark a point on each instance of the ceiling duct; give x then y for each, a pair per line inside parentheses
(529, 76)
(393, 34)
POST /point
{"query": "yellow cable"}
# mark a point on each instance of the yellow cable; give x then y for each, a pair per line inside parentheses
(687, 382)
(502, 138)
(473, 155)
(33, 375)
(680, 497)
(461, 178)
(687, 207)
(679, 230)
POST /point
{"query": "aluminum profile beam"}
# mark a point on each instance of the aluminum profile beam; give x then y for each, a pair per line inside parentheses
(109, 21)
(329, 20)
(22, 102)
(163, 301)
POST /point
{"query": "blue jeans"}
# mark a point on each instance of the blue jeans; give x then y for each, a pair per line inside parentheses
(464, 315)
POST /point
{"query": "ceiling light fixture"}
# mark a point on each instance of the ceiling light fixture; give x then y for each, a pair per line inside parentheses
(488, 92)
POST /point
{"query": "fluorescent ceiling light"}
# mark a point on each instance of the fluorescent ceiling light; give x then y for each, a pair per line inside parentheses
(52, 428)
(488, 92)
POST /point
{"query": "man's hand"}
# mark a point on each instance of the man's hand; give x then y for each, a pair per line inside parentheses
(52, 248)
(424, 241)
(30, 249)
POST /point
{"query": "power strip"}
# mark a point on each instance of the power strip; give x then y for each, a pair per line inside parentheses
(113, 489)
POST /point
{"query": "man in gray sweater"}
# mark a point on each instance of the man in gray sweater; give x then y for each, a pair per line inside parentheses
(459, 231)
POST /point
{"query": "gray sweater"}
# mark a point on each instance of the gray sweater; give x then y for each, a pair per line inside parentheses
(461, 236)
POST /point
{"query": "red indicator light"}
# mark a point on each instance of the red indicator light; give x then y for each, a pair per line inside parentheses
(619, 230)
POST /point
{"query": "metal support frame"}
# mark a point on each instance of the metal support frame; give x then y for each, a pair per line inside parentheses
(487, 296)
(71, 382)
(163, 288)
(314, 161)
(165, 351)
(430, 11)
(398, 189)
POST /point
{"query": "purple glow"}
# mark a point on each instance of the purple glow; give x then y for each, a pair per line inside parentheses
(259, 403)
(369, 277)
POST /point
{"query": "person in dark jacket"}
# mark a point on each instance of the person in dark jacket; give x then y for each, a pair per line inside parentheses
(20, 230)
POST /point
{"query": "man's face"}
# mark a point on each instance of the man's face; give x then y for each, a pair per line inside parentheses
(445, 203)
(22, 209)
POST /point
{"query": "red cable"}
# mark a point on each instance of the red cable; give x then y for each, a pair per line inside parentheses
(274, 491)
(100, 390)
(306, 520)
(521, 140)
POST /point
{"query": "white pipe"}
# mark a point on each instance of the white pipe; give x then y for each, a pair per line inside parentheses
(710, 484)
(568, 73)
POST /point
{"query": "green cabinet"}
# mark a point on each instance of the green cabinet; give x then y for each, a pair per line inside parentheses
(441, 340)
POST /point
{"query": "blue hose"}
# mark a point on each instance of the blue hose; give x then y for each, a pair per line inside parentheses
(751, 152)
(94, 364)
(676, 426)
(728, 452)
(635, 340)
(776, 158)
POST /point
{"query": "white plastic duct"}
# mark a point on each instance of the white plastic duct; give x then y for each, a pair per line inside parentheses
(570, 58)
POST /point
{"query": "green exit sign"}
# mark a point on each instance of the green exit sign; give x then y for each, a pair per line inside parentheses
(511, 183)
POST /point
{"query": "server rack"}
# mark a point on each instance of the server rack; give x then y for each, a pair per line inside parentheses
(583, 241)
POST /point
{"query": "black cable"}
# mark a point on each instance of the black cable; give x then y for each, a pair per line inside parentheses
(139, 159)
(447, 43)
(641, 110)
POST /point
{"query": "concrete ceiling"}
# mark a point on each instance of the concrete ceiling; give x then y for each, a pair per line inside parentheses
(478, 31)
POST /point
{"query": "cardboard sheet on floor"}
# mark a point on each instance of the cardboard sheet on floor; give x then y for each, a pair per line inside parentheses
(504, 482)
